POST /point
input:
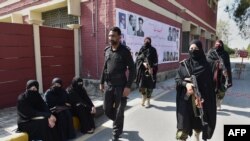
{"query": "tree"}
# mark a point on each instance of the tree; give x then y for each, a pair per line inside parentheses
(239, 11)
(228, 49)
(223, 31)
(248, 49)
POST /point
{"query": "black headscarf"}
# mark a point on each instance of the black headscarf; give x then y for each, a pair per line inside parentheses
(77, 84)
(197, 58)
(220, 48)
(57, 80)
(32, 83)
(147, 44)
(77, 93)
(32, 96)
(57, 90)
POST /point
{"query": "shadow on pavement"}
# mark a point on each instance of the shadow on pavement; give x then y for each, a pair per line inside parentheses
(221, 113)
(106, 135)
(240, 113)
(169, 97)
(167, 108)
(131, 136)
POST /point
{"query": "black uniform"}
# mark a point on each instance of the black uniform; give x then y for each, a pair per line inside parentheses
(81, 104)
(186, 120)
(114, 73)
(33, 114)
(56, 98)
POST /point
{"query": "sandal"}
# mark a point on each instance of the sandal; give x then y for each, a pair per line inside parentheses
(91, 131)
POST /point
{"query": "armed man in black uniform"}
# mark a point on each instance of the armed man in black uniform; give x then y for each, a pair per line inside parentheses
(118, 60)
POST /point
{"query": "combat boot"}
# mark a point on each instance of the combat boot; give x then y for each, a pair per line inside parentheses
(218, 103)
(148, 102)
(143, 100)
(197, 136)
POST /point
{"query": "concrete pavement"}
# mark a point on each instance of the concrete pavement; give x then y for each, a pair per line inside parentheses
(159, 121)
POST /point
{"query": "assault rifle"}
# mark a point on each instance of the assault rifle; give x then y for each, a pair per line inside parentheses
(197, 100)
(149, 68)
(223, 67)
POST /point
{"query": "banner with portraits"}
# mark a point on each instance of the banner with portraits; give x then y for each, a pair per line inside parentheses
(165, 38)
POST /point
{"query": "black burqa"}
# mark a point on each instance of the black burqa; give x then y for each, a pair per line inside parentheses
(81, 104)
(30, 105)
(198, 66)
(57, 97)
(147, 54)
(212, 58)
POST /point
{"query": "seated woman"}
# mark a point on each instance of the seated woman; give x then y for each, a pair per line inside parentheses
(82, 105)
(56, 98)
(34, 116)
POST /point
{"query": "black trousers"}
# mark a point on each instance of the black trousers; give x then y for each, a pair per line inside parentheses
(114, 106)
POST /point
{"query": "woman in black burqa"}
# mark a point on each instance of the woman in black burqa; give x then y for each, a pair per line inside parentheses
(34, 116)
(186, 120)
(82, 105)
(222, 74)
(56, 98)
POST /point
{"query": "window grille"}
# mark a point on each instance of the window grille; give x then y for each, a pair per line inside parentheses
(59, 18)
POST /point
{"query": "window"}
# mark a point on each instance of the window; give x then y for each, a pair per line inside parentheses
(185, 42)
(214, 6)
(209, 2)
(59, 18)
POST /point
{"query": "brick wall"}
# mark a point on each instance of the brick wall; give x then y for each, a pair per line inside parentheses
(202, 10)
(93, 38)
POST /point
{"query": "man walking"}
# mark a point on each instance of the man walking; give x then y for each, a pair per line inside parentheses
(118, 60)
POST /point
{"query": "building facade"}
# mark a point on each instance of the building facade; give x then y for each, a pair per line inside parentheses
(171, 24)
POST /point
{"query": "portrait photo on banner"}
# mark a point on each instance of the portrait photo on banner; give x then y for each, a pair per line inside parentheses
(131, 30)
(165, 38)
